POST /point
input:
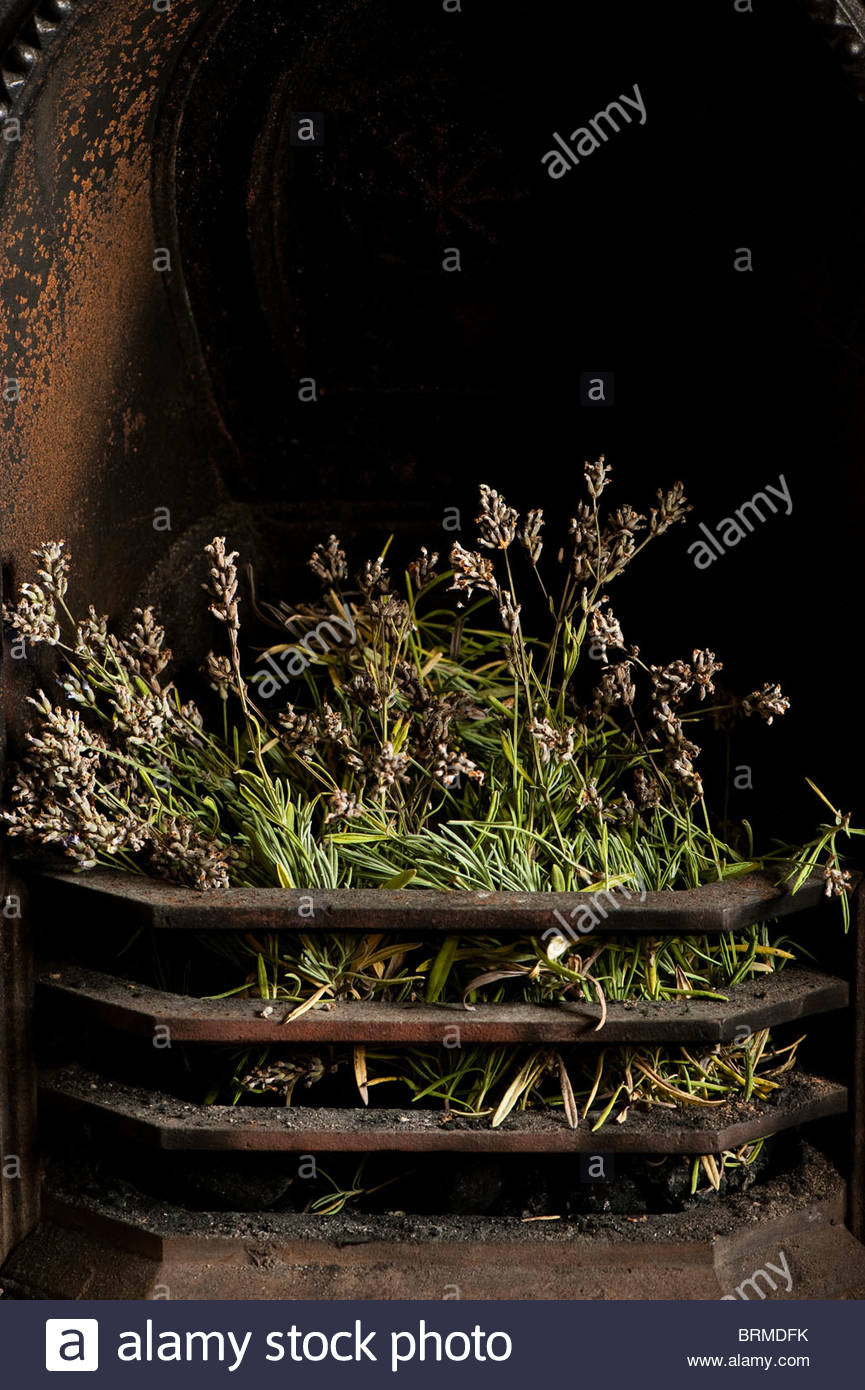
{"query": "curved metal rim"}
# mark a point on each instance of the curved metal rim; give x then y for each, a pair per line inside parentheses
(844, 23)
(30, 35)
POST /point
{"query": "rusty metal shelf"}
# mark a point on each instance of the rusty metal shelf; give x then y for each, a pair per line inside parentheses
(113, 1243)
(90, 996)
(164, 1122)
(130, 902)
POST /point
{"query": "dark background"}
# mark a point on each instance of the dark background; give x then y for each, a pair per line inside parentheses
(330, 266)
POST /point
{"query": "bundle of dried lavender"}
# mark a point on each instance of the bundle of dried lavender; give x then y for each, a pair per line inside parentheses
(418, 744)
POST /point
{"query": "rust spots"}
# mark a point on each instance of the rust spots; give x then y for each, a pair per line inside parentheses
(90, 447)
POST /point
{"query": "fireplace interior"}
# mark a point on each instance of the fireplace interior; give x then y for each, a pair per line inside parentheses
(217, 331)
(147, 1192)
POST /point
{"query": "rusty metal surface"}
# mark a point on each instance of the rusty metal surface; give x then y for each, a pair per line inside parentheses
(70, 1257)
(163, 1122)
(90, 996)
(130, 901)
(19, 1190)
(84, 1248)
(110, 423)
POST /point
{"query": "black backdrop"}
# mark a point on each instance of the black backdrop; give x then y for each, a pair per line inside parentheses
(430, 382)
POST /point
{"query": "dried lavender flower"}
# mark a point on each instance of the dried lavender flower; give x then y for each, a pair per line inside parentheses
(91, 634)
(616, 688)
(330, 728)
(423, 570)
(509, 611)
(434, 728)
(328, 562)
(451, 764)
(704, 667)
(35, 614)
(529, 534)
(626, 520)
(219, 674)
(683, 768)
(222, 584)
(604, 629)
(282, 1075)
(590, 796)
(597, 477)
(362, 690)
(65, 751)
(647, 789)
(767, 702)
(299, 729)
(496, 521)
(77, 690)
(584, 543)
(672, 683)
(145, 650)
(553, 743)
(620, 812)
(388, 768)
(133, 783)
(374, 578)
(184, 853)
(54, 570)
(838, 881)
(472, 571)
(343, 806)
(672, 507)
(389, 610)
